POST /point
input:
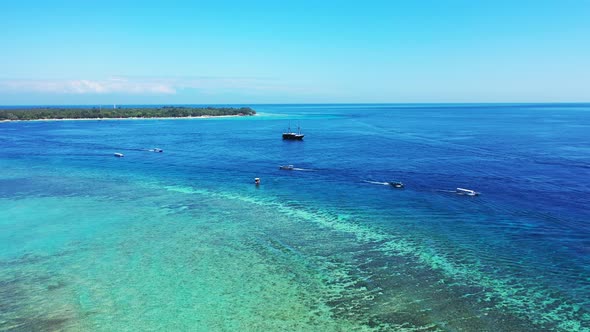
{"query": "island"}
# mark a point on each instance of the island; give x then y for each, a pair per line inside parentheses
(75, 113)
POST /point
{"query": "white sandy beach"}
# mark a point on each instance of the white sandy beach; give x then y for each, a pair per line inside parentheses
(137, 118)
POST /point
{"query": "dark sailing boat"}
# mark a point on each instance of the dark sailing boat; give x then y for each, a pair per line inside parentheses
(292, 135)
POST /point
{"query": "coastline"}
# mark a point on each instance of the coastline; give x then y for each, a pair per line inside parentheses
(134, 118)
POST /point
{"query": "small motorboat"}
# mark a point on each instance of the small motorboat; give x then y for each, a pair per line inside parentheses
(286, 167)
(156, 150)
(396, 184)
(119, 155)
(468, 192)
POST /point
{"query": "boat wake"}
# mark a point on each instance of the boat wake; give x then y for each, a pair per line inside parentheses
(460, 191)
(446, 191)
(377, 182)
(291, 168)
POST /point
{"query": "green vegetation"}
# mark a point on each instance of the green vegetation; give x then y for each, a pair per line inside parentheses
(43, 113)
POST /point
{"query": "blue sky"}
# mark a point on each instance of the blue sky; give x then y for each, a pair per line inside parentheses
(129, 52)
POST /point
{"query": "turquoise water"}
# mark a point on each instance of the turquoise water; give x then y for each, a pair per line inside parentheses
(183, 240)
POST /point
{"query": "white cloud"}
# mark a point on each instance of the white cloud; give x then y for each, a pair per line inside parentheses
(113, 85)
(145, 85)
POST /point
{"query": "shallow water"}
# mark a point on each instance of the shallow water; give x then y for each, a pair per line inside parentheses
(183, 240)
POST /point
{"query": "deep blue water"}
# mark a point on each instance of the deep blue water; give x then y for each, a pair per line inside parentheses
(517, 257)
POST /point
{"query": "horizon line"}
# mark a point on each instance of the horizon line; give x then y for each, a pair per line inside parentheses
(308, 103)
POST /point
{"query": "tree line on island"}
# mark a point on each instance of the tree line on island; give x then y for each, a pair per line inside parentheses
(50, 113)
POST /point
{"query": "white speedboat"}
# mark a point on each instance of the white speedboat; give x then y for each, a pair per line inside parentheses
(286, 167)
(119, 155)
(156, 150)
(468, 192)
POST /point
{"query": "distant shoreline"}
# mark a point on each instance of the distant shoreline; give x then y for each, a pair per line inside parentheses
(135, 118)
(165, 112)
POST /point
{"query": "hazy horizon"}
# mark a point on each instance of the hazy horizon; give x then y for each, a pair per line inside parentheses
(325, 103)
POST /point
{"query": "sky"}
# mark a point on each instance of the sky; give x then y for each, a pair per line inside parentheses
(251, 52)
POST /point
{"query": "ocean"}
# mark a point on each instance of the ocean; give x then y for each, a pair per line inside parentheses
(184, 241)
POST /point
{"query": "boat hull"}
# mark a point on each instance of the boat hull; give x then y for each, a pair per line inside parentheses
(293, 136)
(468, 192)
